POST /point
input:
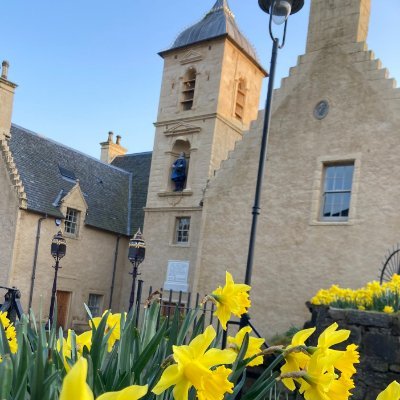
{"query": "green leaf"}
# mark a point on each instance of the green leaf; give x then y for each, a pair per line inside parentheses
(260, 382)
(6, 377)
(261, 392)
(149, 325)
(238, 387)
(187, 322)
(147, 352)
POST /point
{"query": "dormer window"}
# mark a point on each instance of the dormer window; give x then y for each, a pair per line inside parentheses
(67, 174)
(240, 99)
(189, 84)
(71, 223)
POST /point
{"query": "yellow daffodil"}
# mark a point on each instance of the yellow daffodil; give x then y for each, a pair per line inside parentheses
(82, 340)
(11, 334)
(134, 392)
(392, 392)
(317, 382)
(295, 360)
(388, 309)
(253, 348)
(74, 385)
(193, 368)
(114, 323)
(231, 299)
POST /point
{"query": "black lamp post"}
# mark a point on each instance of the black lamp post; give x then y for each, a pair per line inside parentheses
(137, 250)
(279, 11)
(58, 250)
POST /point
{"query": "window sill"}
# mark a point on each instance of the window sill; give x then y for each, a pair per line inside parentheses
(184, 245)
(70, 236)
(331, 223)
(186, 192)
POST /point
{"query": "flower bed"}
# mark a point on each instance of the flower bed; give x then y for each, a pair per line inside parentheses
(177, 358)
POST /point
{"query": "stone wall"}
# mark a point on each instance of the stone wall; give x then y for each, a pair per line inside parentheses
(378, 337)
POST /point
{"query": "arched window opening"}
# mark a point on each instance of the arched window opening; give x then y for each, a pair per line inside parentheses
(189, 84)
(240, 99)
(180, 165)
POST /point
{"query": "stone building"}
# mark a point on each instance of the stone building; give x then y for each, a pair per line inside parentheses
(330, 202)
(45, 187)
(209, 95)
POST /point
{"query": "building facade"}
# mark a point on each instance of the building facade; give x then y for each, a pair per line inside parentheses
(47, 187)
(329, 202)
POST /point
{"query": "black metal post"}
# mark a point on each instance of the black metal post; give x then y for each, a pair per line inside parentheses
(244, 320)
(138, 300)
(134, 274)
(53, 293)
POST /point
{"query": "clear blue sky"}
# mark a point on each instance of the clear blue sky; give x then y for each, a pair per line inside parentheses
(87, 67)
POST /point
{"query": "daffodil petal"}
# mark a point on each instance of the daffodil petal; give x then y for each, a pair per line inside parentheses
(201, 342)
(300, 337)
(392, 392)
(181, 390)
(171, 376)
(74, 384)
(134, 392)
(217, 357)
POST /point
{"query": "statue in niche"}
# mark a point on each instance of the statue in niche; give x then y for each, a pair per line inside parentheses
(178, 175)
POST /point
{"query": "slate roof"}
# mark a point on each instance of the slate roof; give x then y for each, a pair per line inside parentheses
(138, 165)
(106, 188)
(219, 21)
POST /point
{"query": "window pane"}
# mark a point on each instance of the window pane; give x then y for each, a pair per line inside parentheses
(71, 221)
(328, 205)
(348, 177)
(337, 191)
(182, 230)
(94, 304)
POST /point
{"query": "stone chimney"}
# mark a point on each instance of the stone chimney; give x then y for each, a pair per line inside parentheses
(7, 89)
(334, 22)
(110, 150)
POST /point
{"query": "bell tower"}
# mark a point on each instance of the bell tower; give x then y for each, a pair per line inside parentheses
(209, 95)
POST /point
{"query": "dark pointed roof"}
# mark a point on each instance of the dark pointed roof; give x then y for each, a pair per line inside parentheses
(49, 170)
(219, 21)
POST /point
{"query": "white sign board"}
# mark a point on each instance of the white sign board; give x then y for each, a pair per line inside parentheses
(177, 276)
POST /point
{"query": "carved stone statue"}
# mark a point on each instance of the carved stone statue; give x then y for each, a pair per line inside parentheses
(178, 175)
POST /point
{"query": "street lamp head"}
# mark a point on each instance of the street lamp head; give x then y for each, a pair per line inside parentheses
(58, 246)
(137, 248)
(280, 9)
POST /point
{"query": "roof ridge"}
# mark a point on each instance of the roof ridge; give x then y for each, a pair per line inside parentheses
(66, 147)
(134, 154)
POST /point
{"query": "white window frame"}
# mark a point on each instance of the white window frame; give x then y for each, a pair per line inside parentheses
(71, 222)
(182, 231)
(318, 188)
(335, 191)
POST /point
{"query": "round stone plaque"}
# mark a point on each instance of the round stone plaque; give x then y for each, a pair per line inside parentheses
(321, 109)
